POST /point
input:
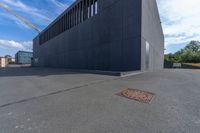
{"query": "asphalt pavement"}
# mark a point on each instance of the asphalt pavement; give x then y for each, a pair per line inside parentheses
(39, 100)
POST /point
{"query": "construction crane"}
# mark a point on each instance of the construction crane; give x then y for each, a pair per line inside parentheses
(20, 18)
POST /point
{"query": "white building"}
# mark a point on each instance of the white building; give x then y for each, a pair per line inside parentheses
(3, 62)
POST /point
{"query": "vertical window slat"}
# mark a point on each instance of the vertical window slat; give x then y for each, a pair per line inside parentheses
(81, 11)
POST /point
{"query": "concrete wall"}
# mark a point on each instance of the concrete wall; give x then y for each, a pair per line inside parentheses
(153, 34)
(109, 41)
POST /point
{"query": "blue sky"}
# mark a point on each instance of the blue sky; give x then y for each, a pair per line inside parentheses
(180, 21)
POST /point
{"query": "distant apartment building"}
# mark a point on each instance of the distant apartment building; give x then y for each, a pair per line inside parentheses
(10, 59)
(23, 57)
(3, 62)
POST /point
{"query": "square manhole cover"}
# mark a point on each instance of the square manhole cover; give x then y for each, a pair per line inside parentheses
(138, 95)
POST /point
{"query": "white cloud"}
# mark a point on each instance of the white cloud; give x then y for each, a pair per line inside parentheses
(40, 15)
(60, 6)
(26, 9)
(10, 44)
(57, 3)
(180, 19)
(17, 5)
(4, 17)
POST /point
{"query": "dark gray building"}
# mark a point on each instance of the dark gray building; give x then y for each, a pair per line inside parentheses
(108, 35)
(23, 57)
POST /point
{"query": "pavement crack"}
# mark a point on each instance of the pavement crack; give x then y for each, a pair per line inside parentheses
(56, 92)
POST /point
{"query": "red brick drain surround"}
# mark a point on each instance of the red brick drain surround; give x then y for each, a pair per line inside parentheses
(138, 95)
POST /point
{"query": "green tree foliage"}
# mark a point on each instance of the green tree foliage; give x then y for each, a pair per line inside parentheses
(189, 54)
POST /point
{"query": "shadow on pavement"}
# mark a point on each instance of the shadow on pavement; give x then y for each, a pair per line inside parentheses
(30, 71)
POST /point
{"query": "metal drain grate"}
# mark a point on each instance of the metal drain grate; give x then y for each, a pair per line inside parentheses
(138, 95)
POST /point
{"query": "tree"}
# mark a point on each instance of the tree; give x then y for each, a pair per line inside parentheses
(189, 54)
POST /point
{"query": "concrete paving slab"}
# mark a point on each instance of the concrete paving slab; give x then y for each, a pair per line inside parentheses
(95, 108)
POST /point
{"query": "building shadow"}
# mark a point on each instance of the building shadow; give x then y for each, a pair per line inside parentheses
(44, 71)
(34, 71)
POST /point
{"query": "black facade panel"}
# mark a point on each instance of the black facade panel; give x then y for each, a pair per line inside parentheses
(109, 40)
